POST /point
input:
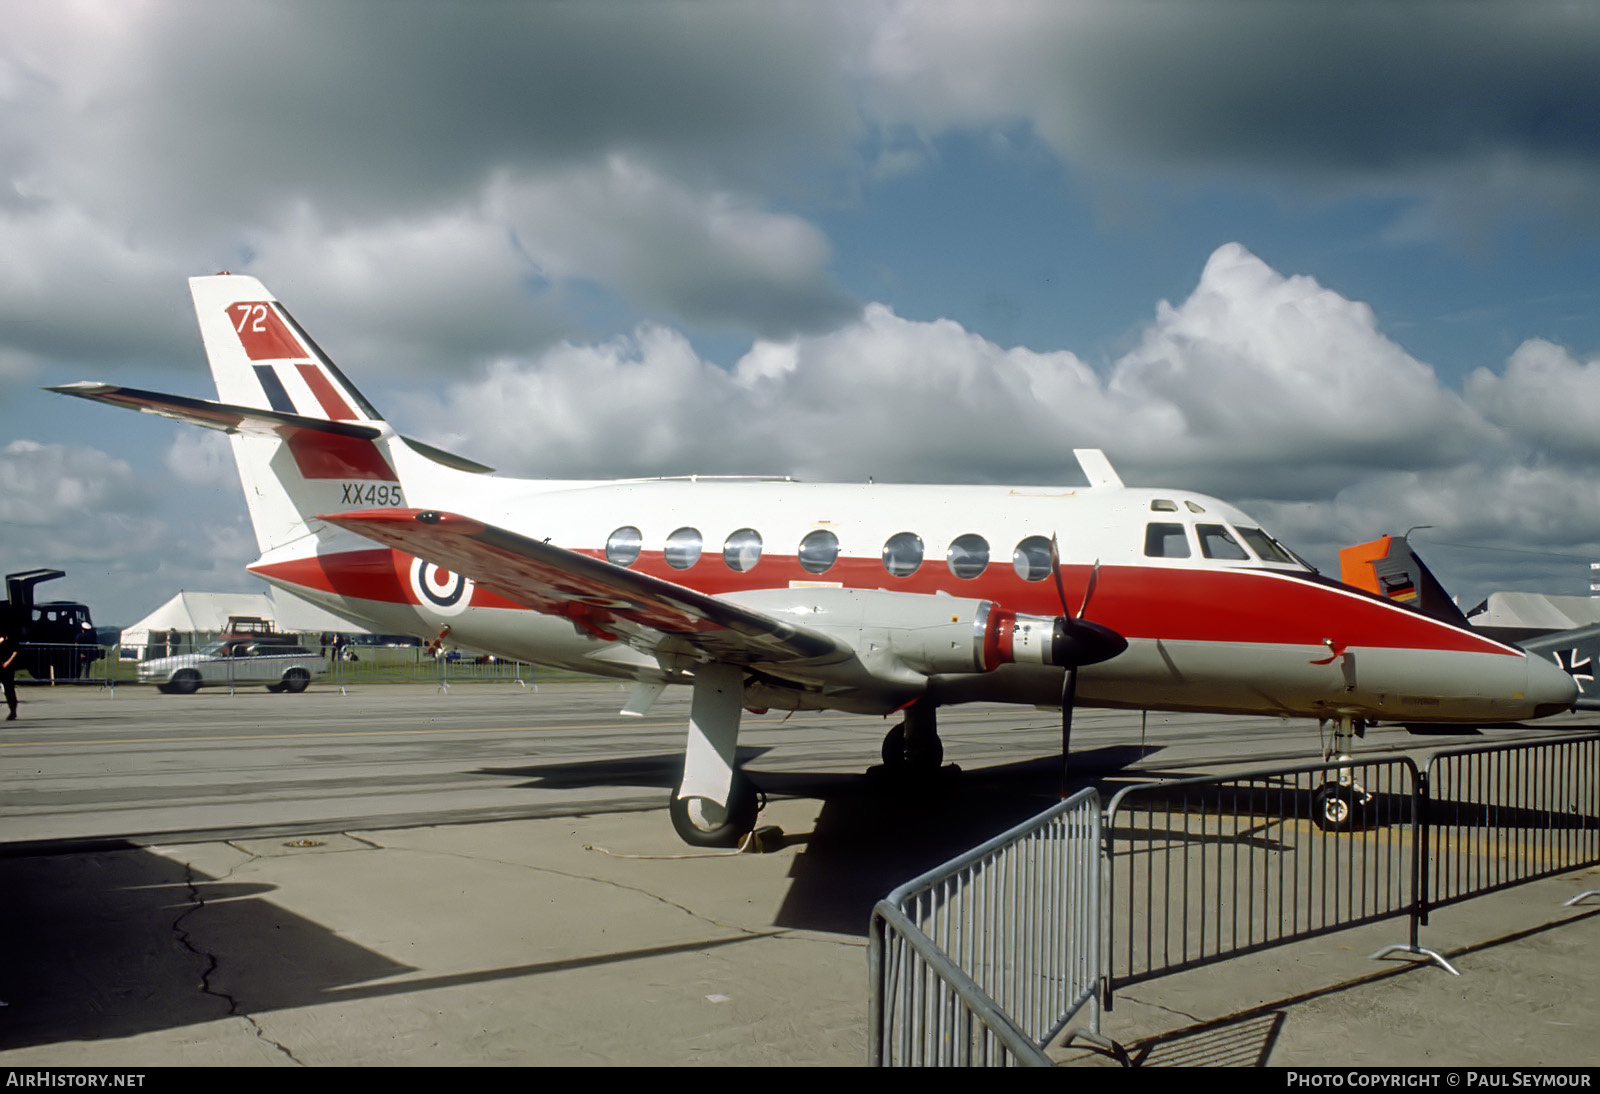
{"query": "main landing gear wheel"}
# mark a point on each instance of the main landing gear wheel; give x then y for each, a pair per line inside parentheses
(915, 756)
(1336, 807)
(701, 822)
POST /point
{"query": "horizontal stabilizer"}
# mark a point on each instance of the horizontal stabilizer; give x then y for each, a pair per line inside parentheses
(246, 419)
(223, 416)
(607, 601)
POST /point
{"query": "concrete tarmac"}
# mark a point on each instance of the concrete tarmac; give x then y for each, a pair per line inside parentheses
(598, 938)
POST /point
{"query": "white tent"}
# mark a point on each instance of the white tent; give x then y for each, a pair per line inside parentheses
(192, 618)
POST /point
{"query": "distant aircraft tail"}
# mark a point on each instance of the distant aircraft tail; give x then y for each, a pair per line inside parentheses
(1389, 567)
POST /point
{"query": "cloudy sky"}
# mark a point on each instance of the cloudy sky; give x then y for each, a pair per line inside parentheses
(1336, 262)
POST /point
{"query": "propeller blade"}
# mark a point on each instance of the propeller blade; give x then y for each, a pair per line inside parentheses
(1094, 579)
(1061, 588)
(1055, 572)
(1069, 695)
(1079, 642)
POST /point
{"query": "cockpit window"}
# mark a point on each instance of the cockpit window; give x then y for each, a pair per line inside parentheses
(1195, 507)
(623, 546)
(1216, 542)
(1163, 505)
(1265, 546)
(683, 548)
(1165, 541)
(819, 551)
(968, 556)
(902, 554)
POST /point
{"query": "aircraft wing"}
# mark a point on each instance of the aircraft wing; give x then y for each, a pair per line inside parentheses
(606, 600)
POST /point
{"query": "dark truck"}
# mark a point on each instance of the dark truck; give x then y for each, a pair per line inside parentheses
(58, 637)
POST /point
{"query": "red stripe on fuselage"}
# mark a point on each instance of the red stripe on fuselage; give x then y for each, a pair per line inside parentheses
(1202, 605)
(1148, 602)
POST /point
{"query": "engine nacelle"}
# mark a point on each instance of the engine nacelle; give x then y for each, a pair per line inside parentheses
(1013, 638)
(934, 635)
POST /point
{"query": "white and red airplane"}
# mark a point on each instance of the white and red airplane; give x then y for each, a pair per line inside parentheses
(772, 593)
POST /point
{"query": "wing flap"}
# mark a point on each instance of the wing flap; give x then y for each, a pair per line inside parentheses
(605, 599)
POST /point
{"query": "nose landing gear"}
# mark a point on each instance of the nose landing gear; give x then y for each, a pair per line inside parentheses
(1342, 804)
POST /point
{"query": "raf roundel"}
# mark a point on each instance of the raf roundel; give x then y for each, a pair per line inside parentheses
(440, 589)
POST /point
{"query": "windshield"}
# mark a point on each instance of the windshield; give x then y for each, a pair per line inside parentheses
(1265, 547)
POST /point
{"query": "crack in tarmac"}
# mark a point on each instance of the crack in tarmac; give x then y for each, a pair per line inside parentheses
(197, 903)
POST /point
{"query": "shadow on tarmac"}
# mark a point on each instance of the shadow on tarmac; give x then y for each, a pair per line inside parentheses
(101, 948)
(874, 833)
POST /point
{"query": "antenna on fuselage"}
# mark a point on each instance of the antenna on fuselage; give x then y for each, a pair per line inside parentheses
(1096, 467)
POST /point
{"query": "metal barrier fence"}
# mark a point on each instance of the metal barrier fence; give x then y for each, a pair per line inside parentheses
(415, 664)
(1501, 815)
(1203, 869)
(987, 958)
(62, 663)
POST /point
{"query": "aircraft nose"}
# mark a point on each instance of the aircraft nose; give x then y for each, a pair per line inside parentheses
(1551, 689)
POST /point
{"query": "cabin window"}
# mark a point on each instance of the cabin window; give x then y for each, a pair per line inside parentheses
(742, 549)
(623, 546)
(1216, 542)
(1165, 541)
(683, 548)
(902, 554)
(1265, 546)
(819, 551)
(968, 556)
(1032, 559)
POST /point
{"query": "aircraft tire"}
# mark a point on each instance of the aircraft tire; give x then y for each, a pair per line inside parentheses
(700, 823)
(295, 681)
(1336, 808)
(186, 682)
(897, 757)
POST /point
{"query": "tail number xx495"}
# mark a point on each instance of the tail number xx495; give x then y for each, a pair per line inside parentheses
(366, 493)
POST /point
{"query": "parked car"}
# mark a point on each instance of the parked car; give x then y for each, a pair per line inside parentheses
(236, 660)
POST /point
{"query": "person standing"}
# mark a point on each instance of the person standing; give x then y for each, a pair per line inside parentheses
(9, 652)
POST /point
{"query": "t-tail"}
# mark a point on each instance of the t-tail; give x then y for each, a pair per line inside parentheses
(306, 441)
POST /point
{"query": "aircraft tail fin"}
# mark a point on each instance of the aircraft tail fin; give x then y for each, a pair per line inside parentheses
(260, 357)
(266, 366)
(306, 441)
